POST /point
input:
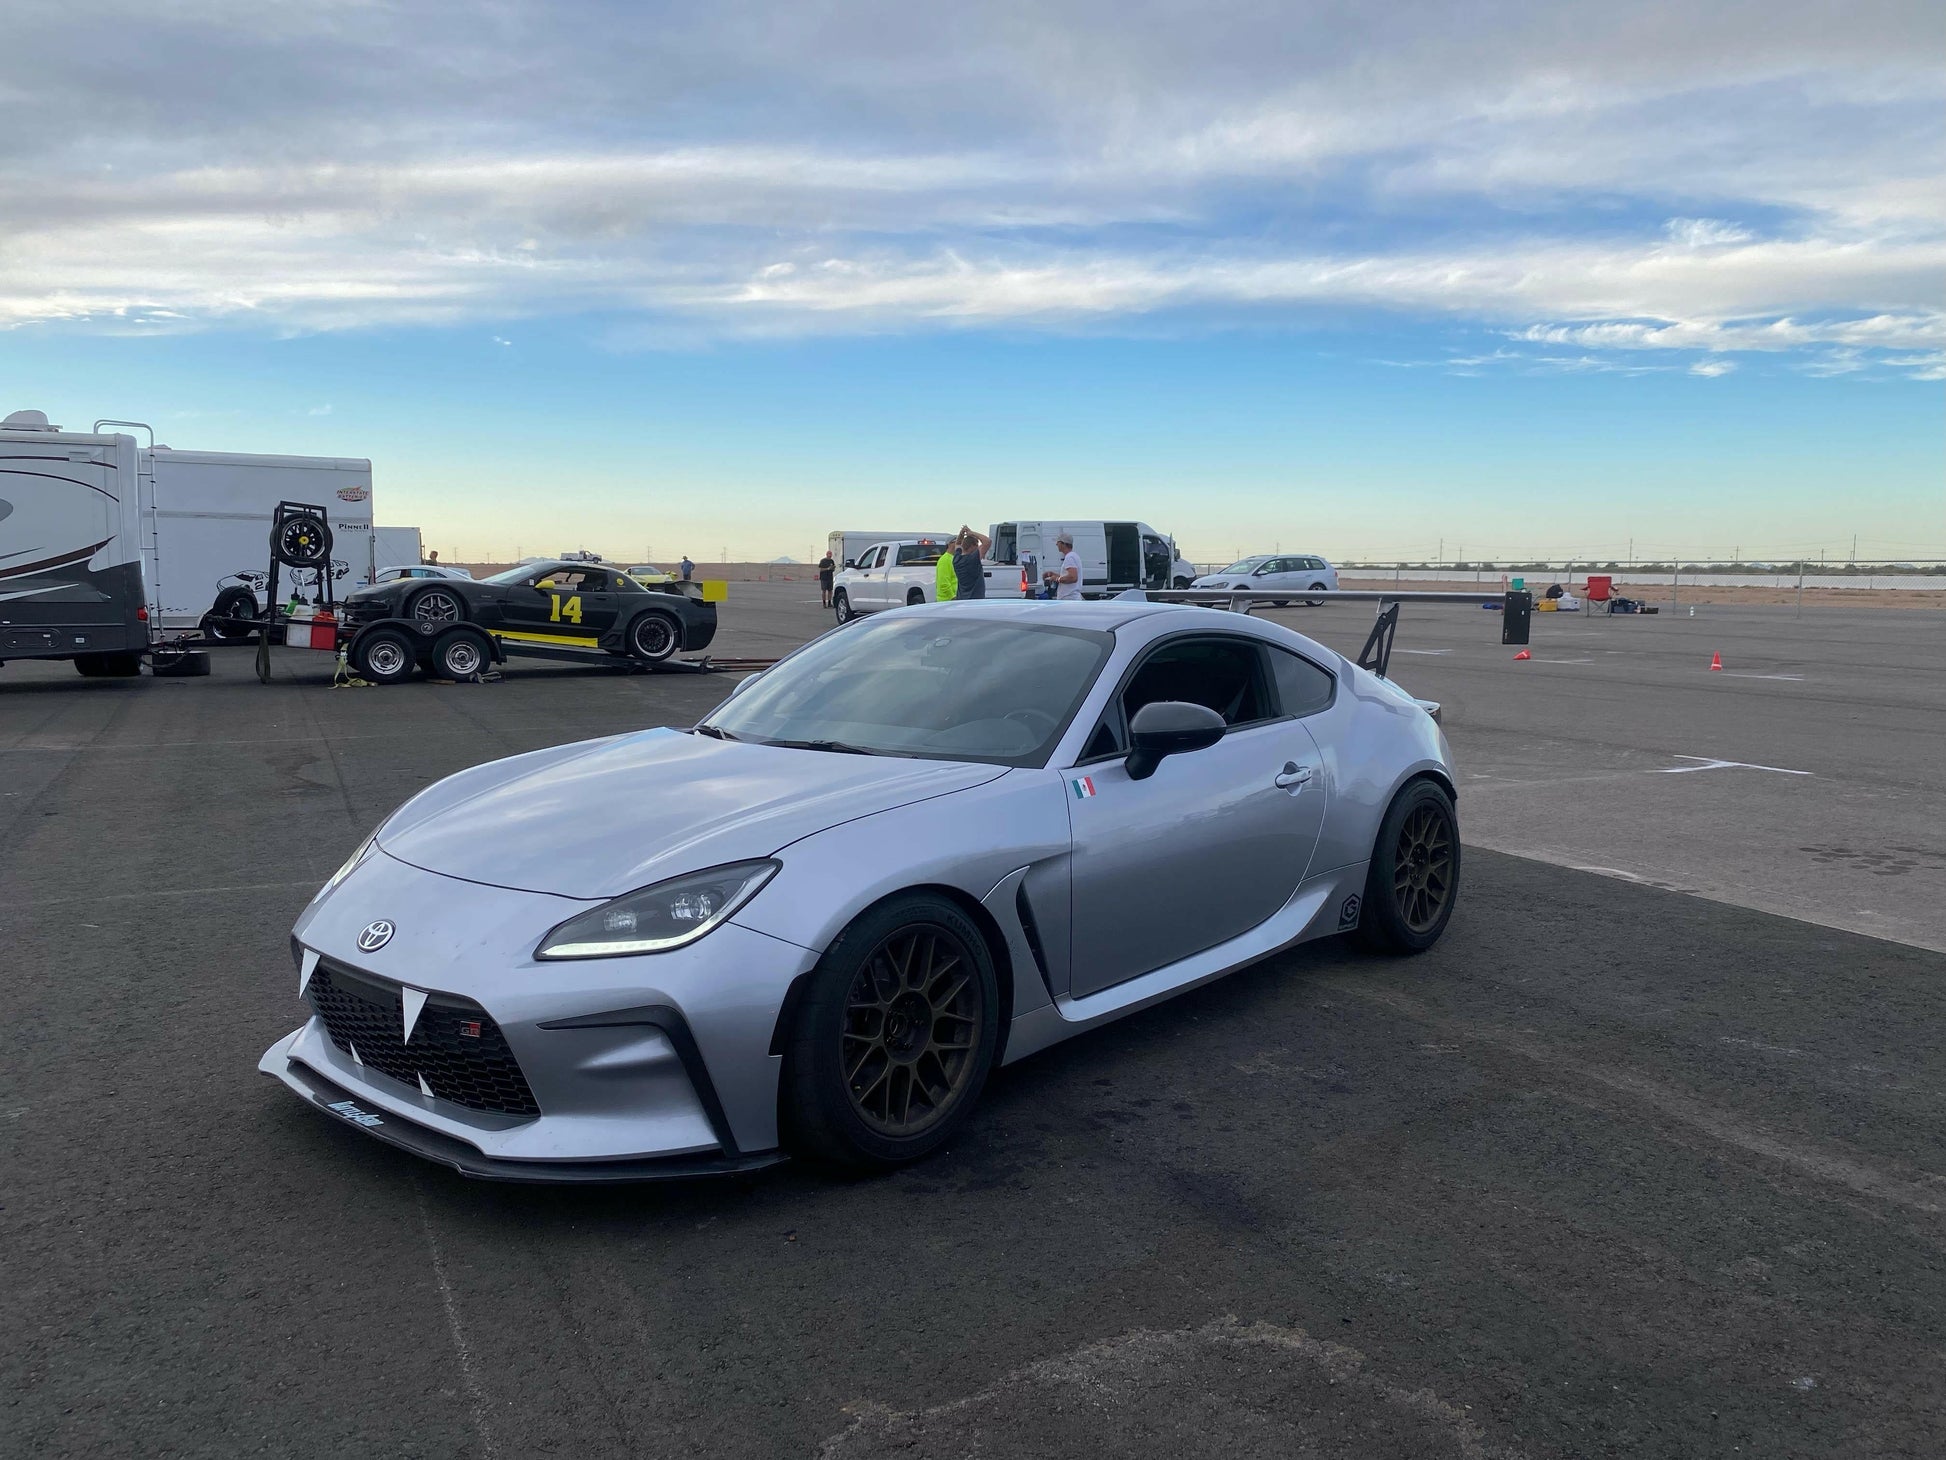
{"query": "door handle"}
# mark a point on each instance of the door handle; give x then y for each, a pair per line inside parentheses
(1292, 776)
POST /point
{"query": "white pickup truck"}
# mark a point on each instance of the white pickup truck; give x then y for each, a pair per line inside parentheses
(894, 574)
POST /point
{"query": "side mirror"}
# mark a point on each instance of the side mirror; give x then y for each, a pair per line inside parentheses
(851, 562)
(1166, 728)
(742, 684)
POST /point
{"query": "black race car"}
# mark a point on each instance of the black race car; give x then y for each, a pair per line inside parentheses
(552, 605)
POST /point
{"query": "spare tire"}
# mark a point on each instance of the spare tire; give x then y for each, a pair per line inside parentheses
(234, 602)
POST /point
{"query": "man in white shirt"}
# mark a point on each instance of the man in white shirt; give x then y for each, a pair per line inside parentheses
(1067, 581)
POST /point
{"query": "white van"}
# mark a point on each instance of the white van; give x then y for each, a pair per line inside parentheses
(1115, 556)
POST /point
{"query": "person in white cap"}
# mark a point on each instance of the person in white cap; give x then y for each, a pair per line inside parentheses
(1066, 582)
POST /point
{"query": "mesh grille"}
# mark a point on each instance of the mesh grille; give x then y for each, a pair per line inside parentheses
(456, 1048)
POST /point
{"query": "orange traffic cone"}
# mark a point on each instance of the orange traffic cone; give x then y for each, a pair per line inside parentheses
(1716, 661)
(1523, 654)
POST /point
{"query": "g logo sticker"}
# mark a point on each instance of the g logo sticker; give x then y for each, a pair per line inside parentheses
(1348, 913)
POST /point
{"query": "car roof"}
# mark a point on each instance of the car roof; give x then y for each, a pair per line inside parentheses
(1108, 613)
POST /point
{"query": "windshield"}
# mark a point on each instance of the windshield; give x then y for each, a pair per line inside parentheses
(1246, 565)
(931, 686)
(520, 573)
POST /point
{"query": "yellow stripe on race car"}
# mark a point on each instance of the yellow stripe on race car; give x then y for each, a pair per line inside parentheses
(572, 641)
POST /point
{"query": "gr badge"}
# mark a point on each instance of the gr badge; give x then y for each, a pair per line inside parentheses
(1348, 913)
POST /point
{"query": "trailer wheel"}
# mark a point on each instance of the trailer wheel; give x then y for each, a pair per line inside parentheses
(653, 637)
(231, 603)
(458, 655)
(385, 656)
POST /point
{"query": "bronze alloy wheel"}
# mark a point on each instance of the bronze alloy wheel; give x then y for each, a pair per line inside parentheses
(911, 1028)
(1422, 873)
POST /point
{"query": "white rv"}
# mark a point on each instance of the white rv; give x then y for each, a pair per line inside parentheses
(101, 535)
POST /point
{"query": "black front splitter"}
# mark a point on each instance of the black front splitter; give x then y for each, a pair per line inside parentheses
(468, 1161)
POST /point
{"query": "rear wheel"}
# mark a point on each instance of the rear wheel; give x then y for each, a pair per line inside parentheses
(436, 606)
(914, 596)
(385, 656)
(894, 1037)
(458, 655)
(1414, 879)
(653, 637)
(841, 605)
(1316, 602)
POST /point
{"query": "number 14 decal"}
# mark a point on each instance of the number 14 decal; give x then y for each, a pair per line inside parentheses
(565, 608)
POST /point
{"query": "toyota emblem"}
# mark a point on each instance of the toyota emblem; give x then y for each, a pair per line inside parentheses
(375, 936)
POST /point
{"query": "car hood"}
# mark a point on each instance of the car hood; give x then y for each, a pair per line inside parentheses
(1220, 580)
(604, 817)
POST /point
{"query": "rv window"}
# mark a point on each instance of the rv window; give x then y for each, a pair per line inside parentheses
(1005, 545)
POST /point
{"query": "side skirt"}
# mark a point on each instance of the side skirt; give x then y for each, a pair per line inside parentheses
(1322, 906)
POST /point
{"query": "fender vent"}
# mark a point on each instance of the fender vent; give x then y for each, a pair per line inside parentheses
(1025, 910)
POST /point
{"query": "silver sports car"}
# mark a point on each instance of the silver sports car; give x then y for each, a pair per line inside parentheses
(923, 845)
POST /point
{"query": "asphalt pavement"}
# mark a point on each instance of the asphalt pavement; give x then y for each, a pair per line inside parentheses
(1615, 1170)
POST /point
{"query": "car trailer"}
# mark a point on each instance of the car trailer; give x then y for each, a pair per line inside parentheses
(1516, 611)
(387, 650)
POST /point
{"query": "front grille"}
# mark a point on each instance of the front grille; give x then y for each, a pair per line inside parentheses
(469, 1068)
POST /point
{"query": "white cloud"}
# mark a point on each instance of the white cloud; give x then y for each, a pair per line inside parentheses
(1710, 368)
(323, 410)
(1648, 176)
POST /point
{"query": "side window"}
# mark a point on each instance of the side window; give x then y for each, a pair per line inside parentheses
(1302, 687)
(1225, 675)
(877, 559)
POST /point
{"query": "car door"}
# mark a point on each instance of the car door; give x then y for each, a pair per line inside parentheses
(1210, 845)
(867, 587)
(568, 606)
(1279, 573)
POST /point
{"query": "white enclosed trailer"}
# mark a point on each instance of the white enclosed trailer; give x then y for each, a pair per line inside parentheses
(101, 532)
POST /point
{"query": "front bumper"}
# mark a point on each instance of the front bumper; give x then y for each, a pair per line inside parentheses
(465, 1157)
(627, 1068)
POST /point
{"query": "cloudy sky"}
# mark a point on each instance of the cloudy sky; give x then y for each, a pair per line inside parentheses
(1359, 278)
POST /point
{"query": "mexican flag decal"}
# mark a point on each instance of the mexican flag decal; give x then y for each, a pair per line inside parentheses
(1084, 787)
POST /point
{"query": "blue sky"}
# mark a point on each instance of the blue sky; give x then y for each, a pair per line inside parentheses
(1516, 279)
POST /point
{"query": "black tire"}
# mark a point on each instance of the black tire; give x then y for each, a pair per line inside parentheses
(1280, 603)
(841, 606)
(1414, 881)
(301, 540)
(904, 1004)
(459, 654)
(1181, 583)
(385, 656)
(654, 637)
(230, 603)
(436, 606)
(1316, 602)
(914, 596)
(167, 663)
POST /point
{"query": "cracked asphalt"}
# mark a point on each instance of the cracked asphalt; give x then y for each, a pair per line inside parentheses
(1615, 1170)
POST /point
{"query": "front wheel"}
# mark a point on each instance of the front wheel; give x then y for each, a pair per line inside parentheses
(653, 637)
(385, 656)
(841, 605)
(1414, 879)
(892, 1042)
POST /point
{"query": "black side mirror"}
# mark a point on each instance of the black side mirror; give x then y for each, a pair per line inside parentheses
(1166, 728)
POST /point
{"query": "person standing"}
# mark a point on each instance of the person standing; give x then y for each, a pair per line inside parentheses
(969, 549)
(827, 569)
(1065, 580)
(687, 567)
(945, 582)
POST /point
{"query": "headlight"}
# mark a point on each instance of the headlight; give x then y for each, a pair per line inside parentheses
(654, 919)
(365, 849)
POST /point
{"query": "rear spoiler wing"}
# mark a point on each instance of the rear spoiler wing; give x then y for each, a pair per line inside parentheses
(1516, 610)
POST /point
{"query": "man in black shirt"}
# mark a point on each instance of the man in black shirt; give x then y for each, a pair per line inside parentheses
(826, 568)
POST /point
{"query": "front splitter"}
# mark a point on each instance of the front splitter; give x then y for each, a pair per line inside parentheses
(343, 1105)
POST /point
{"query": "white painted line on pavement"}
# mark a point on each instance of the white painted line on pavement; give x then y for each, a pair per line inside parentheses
(1793, 678)
(1709, 764)
(1422, 651)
